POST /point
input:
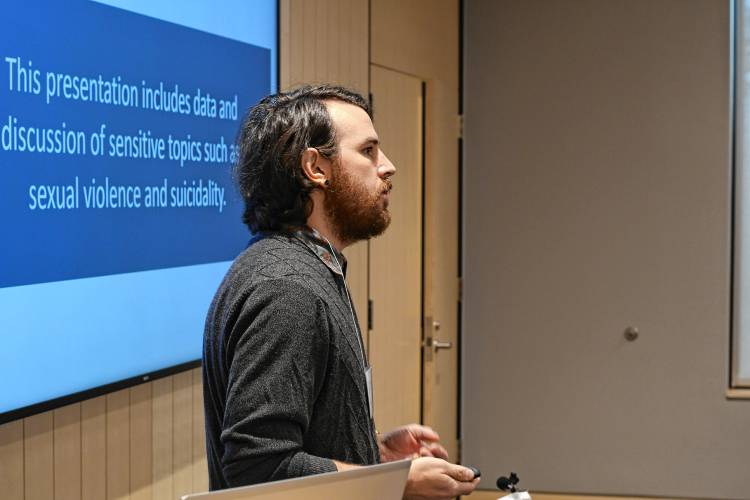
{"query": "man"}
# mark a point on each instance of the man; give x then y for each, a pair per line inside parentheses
(286, 380)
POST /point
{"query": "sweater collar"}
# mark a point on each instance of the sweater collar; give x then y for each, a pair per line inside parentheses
(328, 255)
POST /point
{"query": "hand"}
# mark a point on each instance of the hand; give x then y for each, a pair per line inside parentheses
(411, 441)
(436, 479)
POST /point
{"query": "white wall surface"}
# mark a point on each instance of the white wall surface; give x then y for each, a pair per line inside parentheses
(596, 197)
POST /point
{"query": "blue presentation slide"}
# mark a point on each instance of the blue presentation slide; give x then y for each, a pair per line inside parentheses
(117, 128)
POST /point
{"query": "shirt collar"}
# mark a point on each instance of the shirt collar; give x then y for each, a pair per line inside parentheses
(322, 248)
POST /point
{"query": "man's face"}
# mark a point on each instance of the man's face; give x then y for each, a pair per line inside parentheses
(356, 202)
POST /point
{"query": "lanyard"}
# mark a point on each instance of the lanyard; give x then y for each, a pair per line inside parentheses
(368, 369)
(314, 240)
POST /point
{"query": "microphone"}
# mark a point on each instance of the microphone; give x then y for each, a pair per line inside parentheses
(508, 483)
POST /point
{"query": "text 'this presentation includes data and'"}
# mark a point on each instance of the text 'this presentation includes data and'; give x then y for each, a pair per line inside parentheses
(116, 157)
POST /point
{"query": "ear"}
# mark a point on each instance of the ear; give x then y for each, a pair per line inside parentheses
(315, 167)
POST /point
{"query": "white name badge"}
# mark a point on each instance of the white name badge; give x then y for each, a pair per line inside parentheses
(519, 495)
(368, 377)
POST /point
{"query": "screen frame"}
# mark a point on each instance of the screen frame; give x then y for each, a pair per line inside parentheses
(740, 169)
(77, 397)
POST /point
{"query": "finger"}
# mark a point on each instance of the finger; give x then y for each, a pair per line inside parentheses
(438, 450)
(459, 472)
(402, 438)
(423, 433)
(466, 487)
(433, 450)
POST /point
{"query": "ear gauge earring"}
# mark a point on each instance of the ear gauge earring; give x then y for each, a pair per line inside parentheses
(327, 183)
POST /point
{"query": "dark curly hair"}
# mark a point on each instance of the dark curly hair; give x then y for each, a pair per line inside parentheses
(273, 136)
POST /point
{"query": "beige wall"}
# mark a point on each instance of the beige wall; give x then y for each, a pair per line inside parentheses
(598, 197)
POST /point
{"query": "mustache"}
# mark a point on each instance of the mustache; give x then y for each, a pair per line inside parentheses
(388, 186)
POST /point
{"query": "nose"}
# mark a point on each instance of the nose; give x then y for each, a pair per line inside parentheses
(386, 169)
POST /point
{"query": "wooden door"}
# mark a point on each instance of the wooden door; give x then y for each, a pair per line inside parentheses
(396, 257)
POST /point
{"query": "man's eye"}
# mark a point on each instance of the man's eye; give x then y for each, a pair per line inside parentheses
(369, 151)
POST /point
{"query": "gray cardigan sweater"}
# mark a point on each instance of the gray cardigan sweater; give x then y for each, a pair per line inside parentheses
(283, 377)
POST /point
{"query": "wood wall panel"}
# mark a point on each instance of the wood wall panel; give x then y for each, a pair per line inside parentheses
(140, 442)
(182, 447)
(327, 42)
(148, 442)
(333, 17)
(162, 438)
(359, 38)
(285, 29)
(118, 445)
(94, 449)
(200, 463)
(321, 37)
(11, 460)
(38, 457)
(309, 30)
(343, 61)
(67, 452)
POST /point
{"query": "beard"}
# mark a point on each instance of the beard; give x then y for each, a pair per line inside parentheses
(354, 212)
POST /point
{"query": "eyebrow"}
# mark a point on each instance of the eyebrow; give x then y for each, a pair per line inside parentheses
(370, 140)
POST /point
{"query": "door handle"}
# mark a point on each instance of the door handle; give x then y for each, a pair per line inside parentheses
(430, 344)
(437, 344)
